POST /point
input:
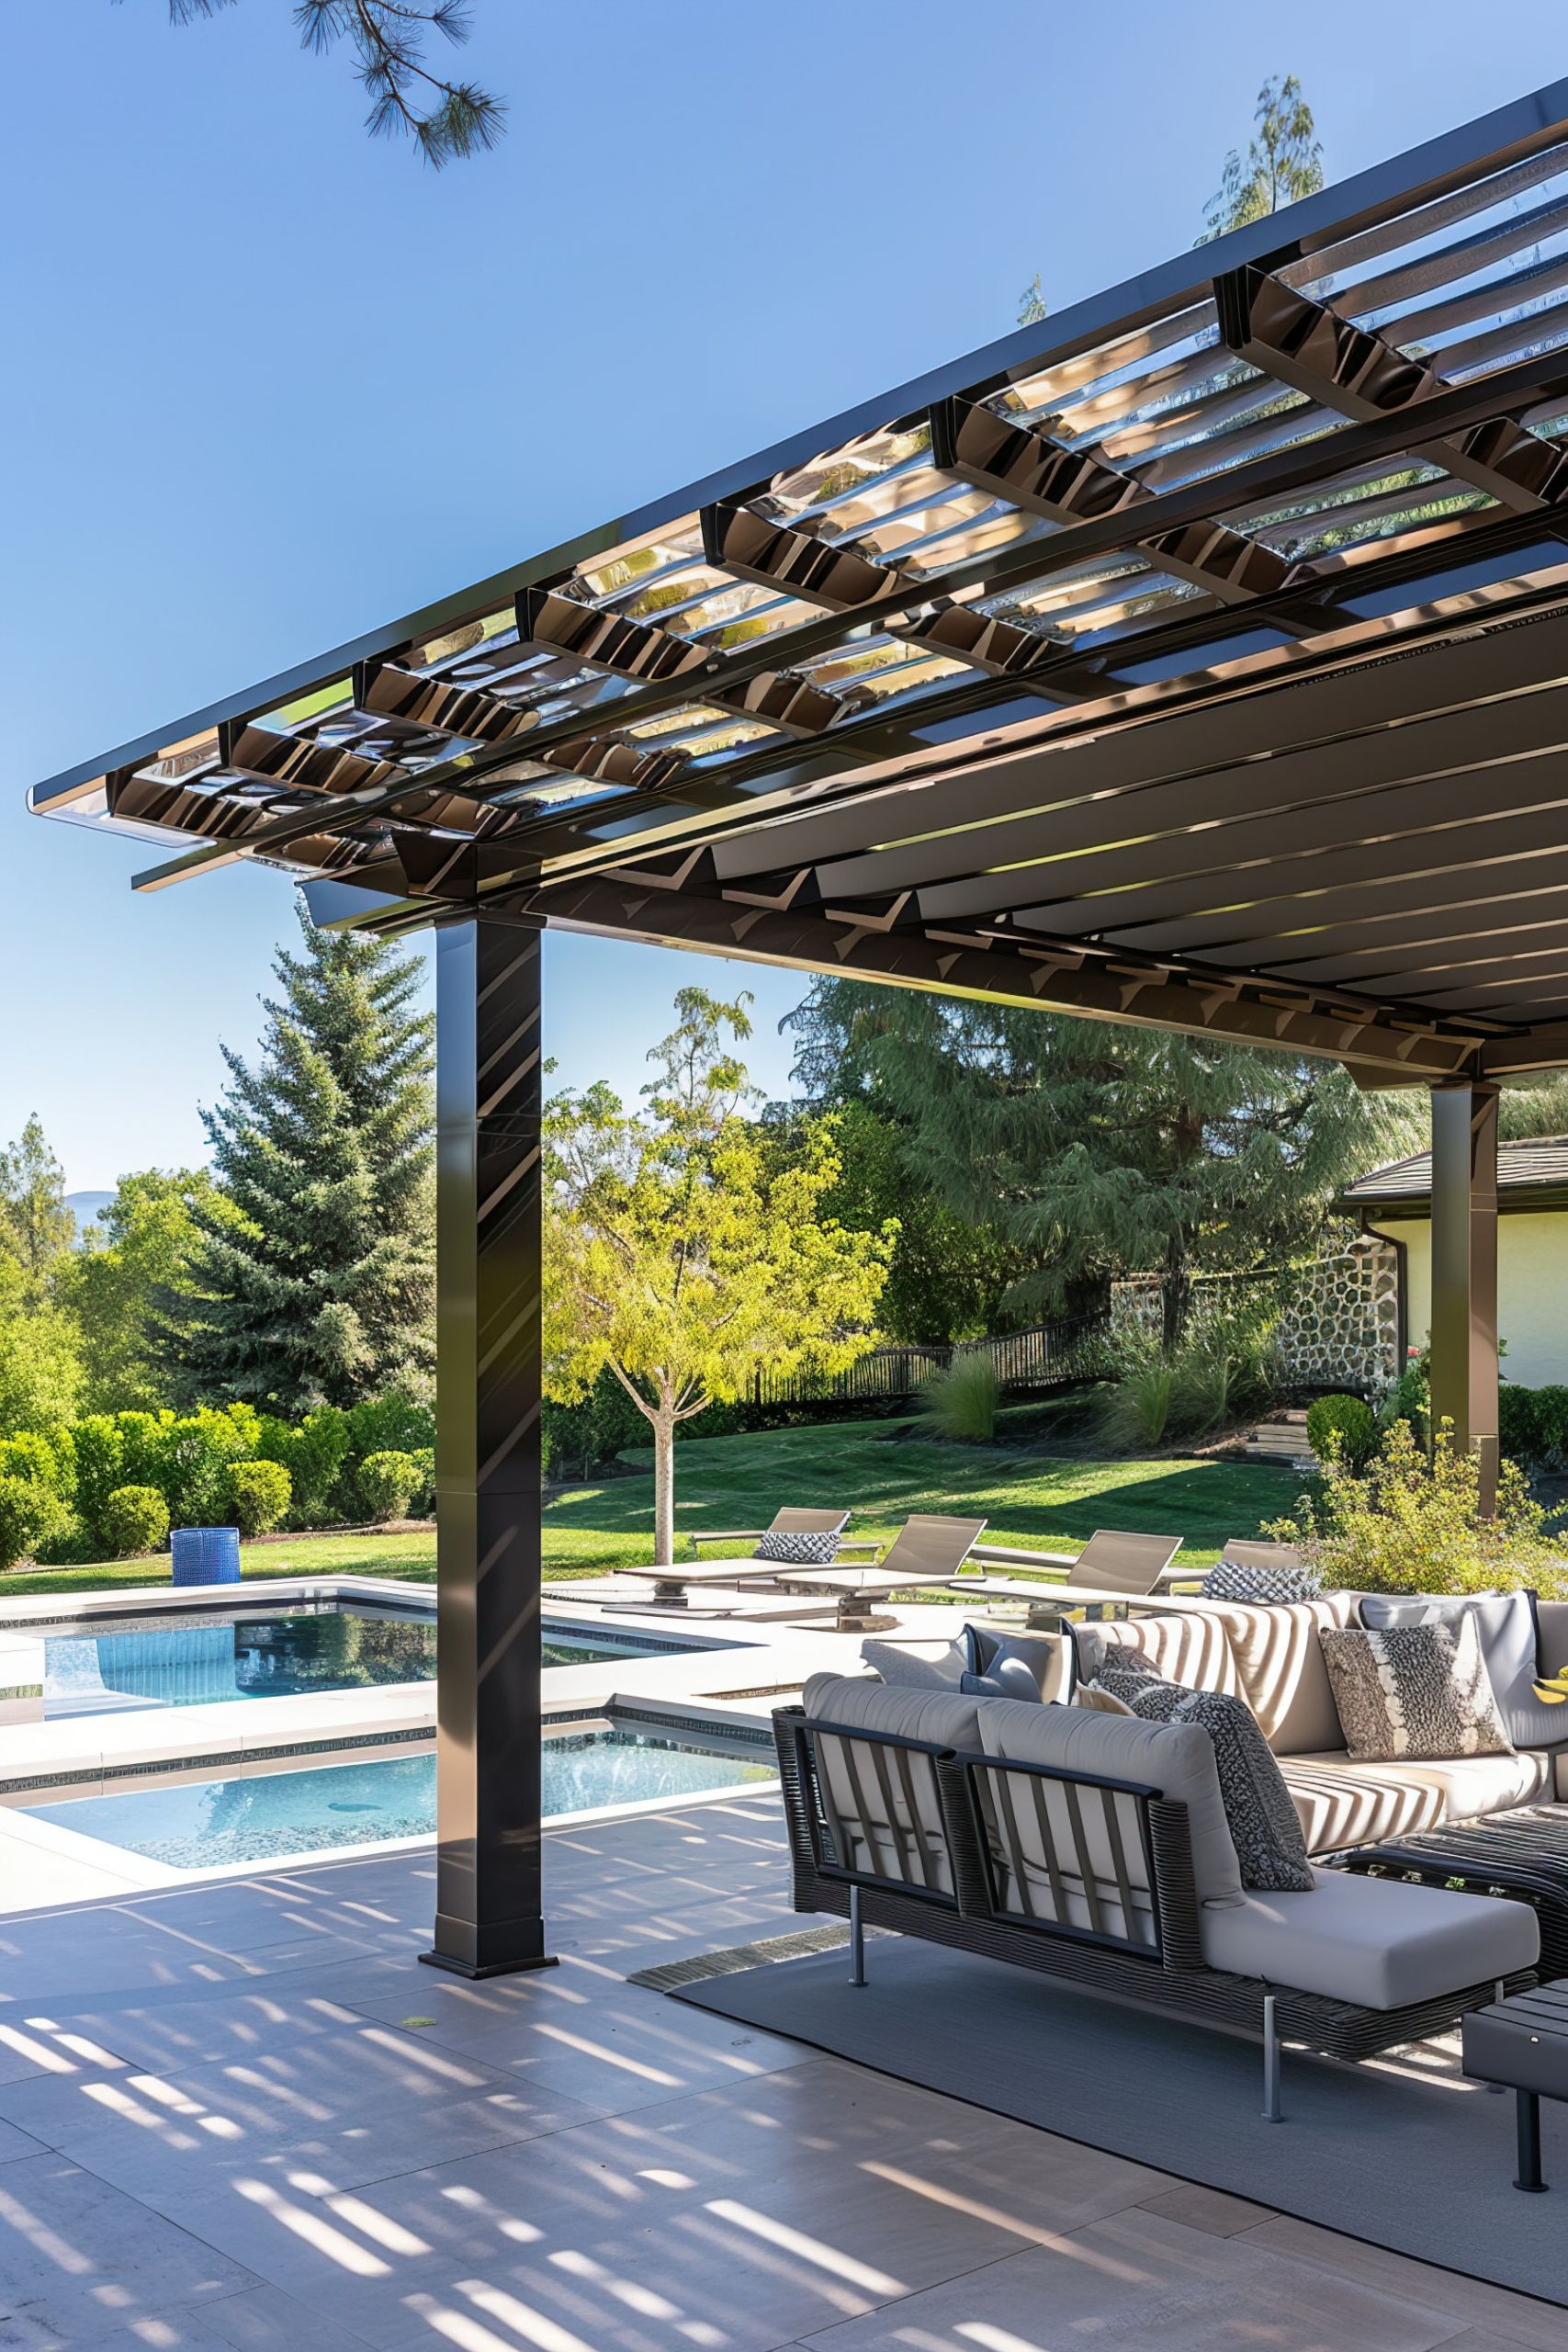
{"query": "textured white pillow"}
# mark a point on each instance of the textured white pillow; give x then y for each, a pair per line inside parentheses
(919, 1665)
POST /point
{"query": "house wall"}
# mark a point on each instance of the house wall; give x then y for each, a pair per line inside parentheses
(1532, 1291)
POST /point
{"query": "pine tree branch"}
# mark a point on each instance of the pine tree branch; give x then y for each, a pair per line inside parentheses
(447, 120)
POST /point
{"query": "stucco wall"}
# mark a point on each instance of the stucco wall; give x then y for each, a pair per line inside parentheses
(1532, 1291)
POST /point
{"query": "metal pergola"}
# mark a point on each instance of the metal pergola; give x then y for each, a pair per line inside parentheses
(1197, 658)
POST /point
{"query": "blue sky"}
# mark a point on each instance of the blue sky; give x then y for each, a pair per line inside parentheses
(271, 384)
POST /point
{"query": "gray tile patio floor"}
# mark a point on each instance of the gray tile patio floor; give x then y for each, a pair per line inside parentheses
(245, 2116)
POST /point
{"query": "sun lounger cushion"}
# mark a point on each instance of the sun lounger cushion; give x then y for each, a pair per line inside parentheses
(1176, 1759)
(800, 1551)
(1381, 1943)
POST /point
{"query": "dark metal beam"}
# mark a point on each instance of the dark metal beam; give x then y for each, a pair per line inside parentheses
(1360, 374)
(1013, 460)
(650, 906)
(489, 1909)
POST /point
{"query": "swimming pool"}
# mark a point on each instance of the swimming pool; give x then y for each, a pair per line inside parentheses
(209, 1823)
(169, 1661)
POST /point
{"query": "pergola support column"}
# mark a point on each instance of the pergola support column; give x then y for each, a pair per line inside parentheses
(1464, 1272)
(489, 1909)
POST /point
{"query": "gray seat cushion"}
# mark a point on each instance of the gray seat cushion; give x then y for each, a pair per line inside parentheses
(1379, 1943)
(1176, 1759)
(1344, 1802)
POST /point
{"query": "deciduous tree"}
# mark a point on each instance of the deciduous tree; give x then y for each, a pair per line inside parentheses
(679, 1251)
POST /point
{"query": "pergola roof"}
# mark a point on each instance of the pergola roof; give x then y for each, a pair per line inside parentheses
(1197, 657)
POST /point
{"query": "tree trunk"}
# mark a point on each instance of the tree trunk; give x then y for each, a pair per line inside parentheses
(663, 1488)
(1178, 1296)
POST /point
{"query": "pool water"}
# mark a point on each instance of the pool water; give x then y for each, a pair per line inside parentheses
(171, 1662)
(208, 1824)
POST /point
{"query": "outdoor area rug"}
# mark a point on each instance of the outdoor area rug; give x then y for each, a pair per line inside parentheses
(1401, 2151)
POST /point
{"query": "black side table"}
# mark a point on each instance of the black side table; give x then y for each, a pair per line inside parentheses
(1522, 2043)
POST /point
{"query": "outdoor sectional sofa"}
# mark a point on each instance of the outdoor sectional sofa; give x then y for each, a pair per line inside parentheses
(1272, 1657)
(1094, 1847)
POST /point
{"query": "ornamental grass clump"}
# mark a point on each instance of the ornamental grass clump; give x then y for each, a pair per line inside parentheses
(961, 1403)
(1412, 1522)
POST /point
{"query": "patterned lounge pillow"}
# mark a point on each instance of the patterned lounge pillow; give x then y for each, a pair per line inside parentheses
(1234, 1580)
(1121, 1671)
(1421, 1693)
(1265, 1827)
(799, 1551)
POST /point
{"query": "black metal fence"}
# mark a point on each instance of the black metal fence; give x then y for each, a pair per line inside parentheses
(1046, 1356)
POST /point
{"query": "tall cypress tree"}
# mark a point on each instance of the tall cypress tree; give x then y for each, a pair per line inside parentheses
(313, 1273)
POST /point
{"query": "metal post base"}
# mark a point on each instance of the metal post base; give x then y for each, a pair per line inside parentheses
(857, 1939)
(1271, 2113)
(473, 1969)
(1527, 2117)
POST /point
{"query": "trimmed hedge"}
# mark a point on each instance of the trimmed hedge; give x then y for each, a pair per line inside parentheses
(136, 1518)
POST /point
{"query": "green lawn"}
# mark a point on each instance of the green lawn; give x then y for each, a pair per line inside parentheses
(1030, 1496)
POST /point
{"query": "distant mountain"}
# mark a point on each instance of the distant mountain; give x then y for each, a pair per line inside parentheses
(86, 1206)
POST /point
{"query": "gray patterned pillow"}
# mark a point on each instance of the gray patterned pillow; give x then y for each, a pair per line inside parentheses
(1421, 1693)
(1232, 1580)
(1265, 1827)
(1121, 1671)
(799, 1551)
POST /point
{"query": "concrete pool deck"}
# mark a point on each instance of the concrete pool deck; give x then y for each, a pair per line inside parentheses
(243, 2116)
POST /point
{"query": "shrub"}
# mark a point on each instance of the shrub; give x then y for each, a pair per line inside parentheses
(29, 1455)
(422, 1502)
(1137, 1406)
(1414, 1525)
(960, 1403)
(100, 1468)
(1410, 1399)
(135, 1518)
(191, 1459)
(386, 1484)
(313, 1454)
(1518, 1423)
(1552, 1420)
(259, 1494)
(30, 1514)
(1344, 1426)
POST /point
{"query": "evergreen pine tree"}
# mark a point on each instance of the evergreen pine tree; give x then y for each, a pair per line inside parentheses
(313, 1269)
